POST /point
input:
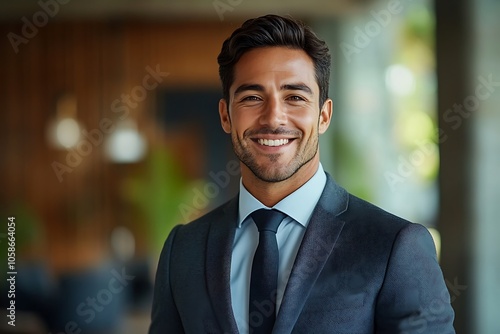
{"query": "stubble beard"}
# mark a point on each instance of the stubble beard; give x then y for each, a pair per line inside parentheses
(274, 173)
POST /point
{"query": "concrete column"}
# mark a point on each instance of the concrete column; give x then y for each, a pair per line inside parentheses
(486, 167)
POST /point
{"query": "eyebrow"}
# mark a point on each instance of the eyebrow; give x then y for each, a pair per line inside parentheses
(260, 88)
(244, 87)
(299, 86)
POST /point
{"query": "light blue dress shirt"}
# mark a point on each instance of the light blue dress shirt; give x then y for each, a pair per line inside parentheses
(298, 206)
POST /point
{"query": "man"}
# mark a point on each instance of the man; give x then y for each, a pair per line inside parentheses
(342, 265)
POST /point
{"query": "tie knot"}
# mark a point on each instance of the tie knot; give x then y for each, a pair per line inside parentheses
(267, 220)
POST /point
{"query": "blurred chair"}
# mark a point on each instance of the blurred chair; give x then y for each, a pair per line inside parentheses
(141, 296)
(35, 294)
(93, 299)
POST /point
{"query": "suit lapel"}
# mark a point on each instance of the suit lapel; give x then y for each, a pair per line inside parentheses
(317, 245)
(218, 264)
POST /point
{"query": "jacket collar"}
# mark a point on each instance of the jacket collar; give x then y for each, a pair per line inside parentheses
(317, 245)
(218, 264)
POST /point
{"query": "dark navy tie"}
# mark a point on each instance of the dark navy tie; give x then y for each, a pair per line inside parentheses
(264, 279)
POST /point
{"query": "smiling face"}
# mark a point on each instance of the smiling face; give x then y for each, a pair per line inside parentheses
(273, 115)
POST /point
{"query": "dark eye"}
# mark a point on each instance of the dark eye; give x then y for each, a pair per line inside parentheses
(295, 98)
(251, 98)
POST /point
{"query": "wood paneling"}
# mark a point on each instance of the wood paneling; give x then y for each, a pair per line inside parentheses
(97, 62)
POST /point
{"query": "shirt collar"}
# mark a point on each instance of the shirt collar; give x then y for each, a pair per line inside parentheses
(299, 205)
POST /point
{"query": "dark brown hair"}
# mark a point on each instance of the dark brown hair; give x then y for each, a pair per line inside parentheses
(274, 30)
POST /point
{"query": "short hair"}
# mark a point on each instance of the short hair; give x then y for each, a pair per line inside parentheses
(274, 30)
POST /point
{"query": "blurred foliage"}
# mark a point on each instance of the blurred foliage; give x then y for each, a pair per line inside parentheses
(353, 173)
(420, 24)
(29, 233)
(407, 125)
(416, 120)
(157, 191)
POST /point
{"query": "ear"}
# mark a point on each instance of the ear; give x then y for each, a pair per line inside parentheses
(225, 120)
(325, 116)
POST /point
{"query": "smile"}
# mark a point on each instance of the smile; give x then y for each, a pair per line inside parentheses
(271, 142)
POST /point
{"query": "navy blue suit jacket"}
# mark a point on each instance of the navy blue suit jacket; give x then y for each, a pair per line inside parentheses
(359, 269)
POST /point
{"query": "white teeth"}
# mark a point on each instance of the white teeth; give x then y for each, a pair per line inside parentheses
(270, 142)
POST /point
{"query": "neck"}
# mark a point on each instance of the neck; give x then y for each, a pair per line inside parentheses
(270, 193)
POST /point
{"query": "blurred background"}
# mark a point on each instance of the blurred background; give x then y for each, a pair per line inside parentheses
(110, 136)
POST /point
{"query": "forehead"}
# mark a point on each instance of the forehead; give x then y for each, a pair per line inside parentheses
(274, 66)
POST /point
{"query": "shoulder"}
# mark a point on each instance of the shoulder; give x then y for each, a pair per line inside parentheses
(366, 221)
(361, 220)
(360, 211)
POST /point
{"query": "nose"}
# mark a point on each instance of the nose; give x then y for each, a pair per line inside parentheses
(273, 114)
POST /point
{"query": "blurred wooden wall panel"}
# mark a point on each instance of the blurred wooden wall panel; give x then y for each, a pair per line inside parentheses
(97, 62)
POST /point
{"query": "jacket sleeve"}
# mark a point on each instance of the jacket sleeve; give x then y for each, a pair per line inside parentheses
(413, 297)
(164, 316)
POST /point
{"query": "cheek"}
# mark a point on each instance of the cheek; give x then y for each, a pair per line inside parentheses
(242, 121)
(306, 122)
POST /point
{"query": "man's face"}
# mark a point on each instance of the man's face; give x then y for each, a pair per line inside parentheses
(273, 113)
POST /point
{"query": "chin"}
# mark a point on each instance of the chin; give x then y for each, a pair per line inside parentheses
(272, 174)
